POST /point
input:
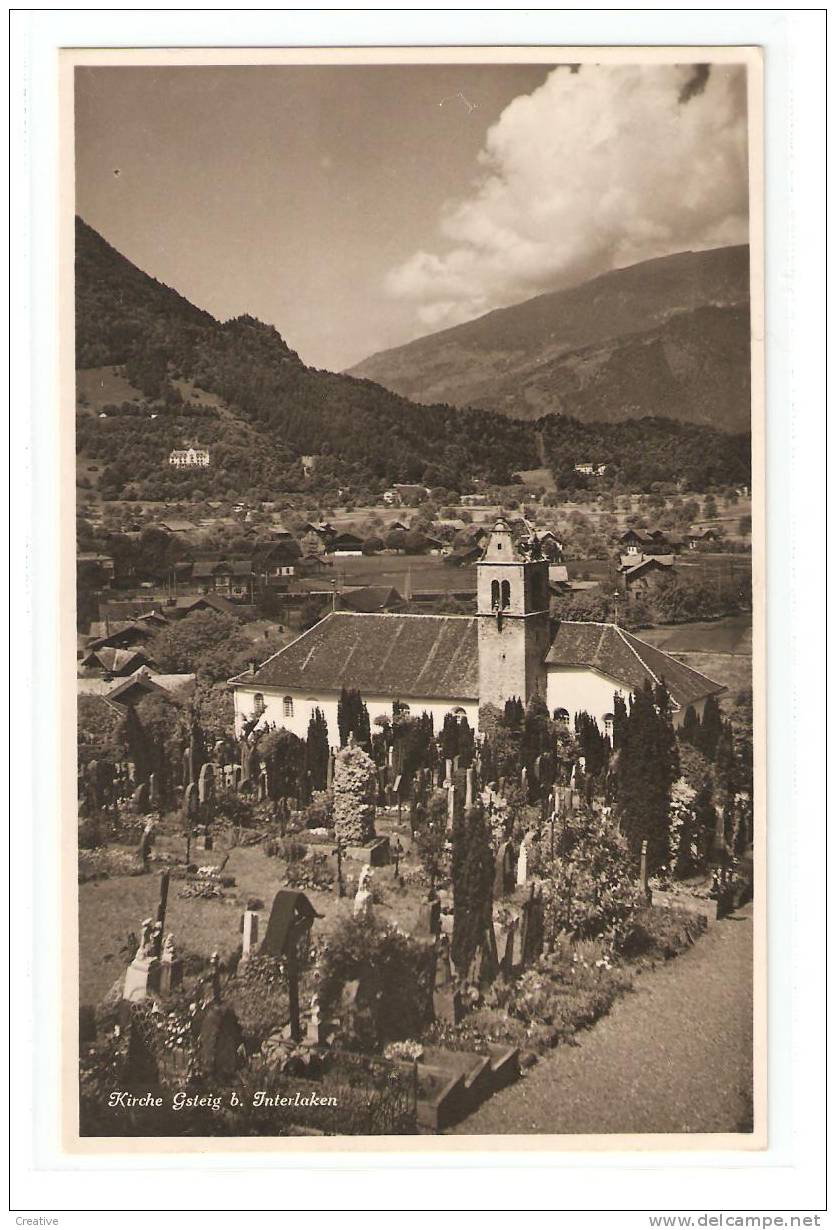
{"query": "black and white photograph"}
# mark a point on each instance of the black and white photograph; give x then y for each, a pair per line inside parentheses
(419, 608)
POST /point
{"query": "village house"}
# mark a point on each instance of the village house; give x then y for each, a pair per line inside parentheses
(188, 458)
(409, 493)
(94, 570)
(639, 573)
(648, 542)
(232, 579)
(276, 563)
(115, 663)
(437, 663)
(122, 693)
(700, 538)
(591, 468)
(345, 543)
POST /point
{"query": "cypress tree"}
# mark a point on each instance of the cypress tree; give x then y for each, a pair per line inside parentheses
(647, 768)
(353, 718)
(705, 821)
(619, 724)
(725, 771)
(317, 750)
(449, 737)
(711, 728)
(472, 875)
(690, 730)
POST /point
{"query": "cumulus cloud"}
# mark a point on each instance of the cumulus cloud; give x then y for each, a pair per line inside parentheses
(593, 171)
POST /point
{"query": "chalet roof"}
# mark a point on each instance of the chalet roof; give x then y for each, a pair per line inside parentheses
(370, 598)
(133, 609)
(115, 661)
(344, 538)
(234, 567)
(134, 687)
(198, 602)
(633, 565)
(617, 653)
(178, 527)
(124, 634)
(432, 656)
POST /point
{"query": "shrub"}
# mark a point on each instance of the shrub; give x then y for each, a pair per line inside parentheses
(661, 933)
(393, 970)
(312, 872)
(589, 887)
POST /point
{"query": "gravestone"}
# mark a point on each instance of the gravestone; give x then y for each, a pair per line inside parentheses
(146, 841)
(429, 917)
(643, 888)
(250, 934)
(191, 803)
(140, 797)
(153, 790)
(451, 806)
(142, 975)
(219, 1043)
(206, 783)
(171, 967)
(506, 954)
(470, 789)
(499, 871)
(522, 861)
(524, 783)
(363, 899)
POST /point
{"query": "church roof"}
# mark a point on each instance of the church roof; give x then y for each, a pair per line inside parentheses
(617, 653)
(437, 657)
(434, 656)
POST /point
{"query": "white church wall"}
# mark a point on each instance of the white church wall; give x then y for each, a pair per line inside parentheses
(304, 703)
(578, 688)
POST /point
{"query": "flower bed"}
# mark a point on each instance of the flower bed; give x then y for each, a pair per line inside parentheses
(102, 862)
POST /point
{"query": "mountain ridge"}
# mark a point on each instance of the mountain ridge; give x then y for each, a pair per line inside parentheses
(576, 351)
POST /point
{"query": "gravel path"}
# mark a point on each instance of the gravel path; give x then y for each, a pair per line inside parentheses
(673, 1055)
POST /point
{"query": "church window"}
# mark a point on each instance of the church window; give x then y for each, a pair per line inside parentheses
(609, 719)
(258, 704)
(287, 706)
(562, 716)
(495, 595)
(506, 595)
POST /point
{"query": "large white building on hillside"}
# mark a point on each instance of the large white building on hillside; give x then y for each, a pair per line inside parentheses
(189, 458)
(439, 663)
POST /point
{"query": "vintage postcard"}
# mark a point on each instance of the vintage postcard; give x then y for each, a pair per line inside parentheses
(415, 788)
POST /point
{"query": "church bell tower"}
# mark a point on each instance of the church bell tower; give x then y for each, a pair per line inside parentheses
(512, 592)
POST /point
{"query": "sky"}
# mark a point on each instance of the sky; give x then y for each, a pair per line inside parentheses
(356, 208)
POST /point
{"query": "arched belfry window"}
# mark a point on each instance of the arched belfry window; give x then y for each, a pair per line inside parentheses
(495, 595)
(506, 595)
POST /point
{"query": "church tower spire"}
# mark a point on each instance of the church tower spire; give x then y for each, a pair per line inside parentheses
(512, 591)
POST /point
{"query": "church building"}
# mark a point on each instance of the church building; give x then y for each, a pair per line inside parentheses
(443, 663)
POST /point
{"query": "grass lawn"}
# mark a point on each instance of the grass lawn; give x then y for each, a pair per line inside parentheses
(719, 636)
(416, 572)
(110, 909)
(720, 649)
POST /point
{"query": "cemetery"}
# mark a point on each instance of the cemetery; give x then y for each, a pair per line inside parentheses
(279, 937)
